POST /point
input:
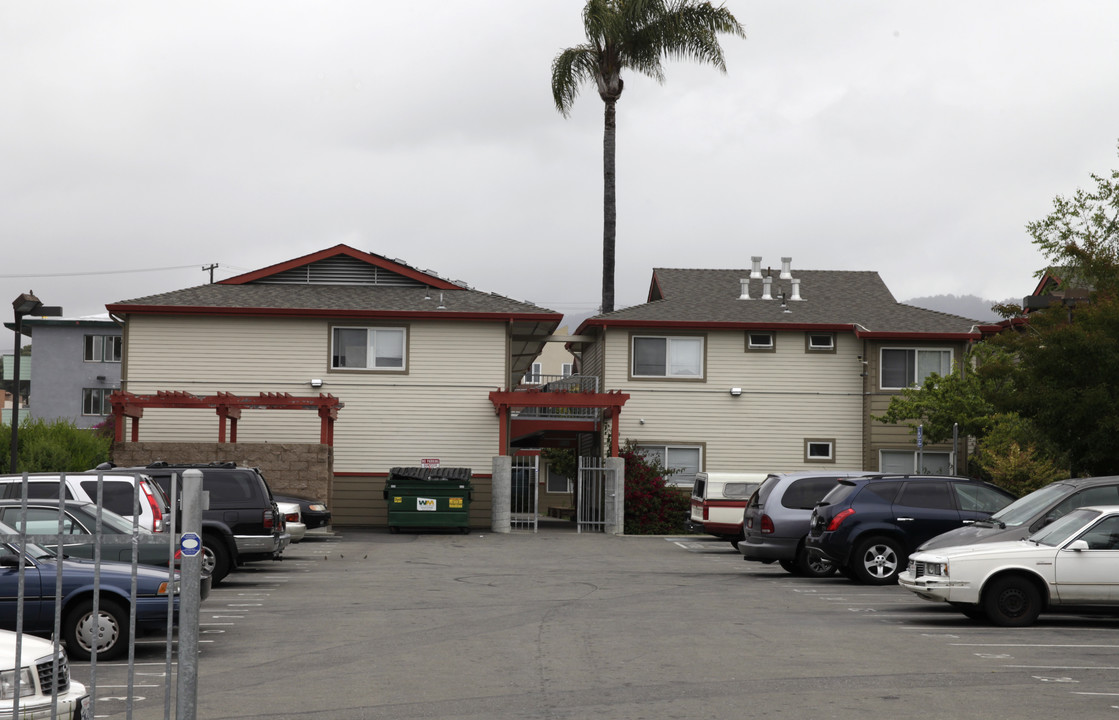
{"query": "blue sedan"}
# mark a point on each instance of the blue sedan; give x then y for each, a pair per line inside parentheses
(107, 632)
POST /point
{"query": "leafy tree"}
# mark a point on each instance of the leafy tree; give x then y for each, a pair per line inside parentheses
(633, 35)
(1014, 456)
(1082, 234)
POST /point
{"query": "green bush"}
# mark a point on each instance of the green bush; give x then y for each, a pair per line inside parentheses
(651, 506)
(54, 446)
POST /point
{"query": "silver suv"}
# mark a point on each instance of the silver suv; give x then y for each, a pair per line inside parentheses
(777, 517)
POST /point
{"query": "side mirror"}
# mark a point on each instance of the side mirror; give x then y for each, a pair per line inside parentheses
(1077, 545)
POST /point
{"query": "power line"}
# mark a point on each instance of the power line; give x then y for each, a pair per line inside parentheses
(98, 272)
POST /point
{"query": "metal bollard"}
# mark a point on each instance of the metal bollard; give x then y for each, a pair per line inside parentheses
(190, 601)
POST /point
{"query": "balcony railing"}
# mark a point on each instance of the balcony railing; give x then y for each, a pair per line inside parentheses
(559, 383)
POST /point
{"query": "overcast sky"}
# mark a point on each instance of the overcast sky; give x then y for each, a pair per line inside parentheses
(140, 141)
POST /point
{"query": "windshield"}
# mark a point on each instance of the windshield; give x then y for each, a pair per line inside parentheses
(1064, 528)
(1026, 509)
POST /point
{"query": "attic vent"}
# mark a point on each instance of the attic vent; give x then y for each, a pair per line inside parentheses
(340, 270)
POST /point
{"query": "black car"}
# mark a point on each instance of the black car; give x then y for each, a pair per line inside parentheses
(314, 513)
(1032, 512)
(242, 523)
(868, 526)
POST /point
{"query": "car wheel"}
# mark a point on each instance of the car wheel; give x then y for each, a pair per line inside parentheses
(813, 564)
(215, 558)
(1012, 601)
(790, 566)
(877, 561)
(108, 632)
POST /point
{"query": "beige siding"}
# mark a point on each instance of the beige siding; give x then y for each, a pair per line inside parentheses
(787, 396)
(439, 409)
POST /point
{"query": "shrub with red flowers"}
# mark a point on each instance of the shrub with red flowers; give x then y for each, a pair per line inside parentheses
(652, 507)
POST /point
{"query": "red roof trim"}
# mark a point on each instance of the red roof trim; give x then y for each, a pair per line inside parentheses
(320, 312)
(776, 327)
(341, 249)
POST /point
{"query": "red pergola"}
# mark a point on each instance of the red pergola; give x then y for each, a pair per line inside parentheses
(609, 402)
(228, 407)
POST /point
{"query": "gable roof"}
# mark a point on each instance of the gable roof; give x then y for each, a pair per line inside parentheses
(337, 282)
(831, 300)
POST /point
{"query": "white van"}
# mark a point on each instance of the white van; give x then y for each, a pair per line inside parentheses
(718, 502)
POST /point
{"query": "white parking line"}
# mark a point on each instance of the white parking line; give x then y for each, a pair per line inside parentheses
(1061, 667)
(1032, 645)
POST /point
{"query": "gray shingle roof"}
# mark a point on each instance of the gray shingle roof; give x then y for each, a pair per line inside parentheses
(829, 297)
(318, 299)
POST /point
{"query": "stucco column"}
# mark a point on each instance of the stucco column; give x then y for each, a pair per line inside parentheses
(502, 493)
(615, 496)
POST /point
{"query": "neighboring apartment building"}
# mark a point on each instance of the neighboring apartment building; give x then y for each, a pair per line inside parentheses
(413, 356)
(765, 370)
(73, 367)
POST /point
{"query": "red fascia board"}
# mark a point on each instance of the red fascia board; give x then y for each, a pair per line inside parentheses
(320, 312)
(719, 325)
(412, 273)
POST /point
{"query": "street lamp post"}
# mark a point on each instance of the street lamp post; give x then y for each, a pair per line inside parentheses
(24, 305)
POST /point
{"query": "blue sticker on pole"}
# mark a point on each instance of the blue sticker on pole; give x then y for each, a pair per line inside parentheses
(190, 544)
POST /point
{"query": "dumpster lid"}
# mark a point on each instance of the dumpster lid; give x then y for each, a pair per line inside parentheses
(433, 474)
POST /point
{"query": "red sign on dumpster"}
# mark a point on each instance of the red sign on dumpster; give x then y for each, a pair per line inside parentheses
(429, 462)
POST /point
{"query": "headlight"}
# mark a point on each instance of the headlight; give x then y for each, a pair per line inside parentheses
(936, 569)
(164, 586)
(317, 507)
(8, 683)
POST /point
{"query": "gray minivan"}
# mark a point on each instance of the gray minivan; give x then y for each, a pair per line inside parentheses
(1030, 513)
(777, 516)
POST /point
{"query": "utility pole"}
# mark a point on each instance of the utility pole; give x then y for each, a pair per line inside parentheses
(211, 269)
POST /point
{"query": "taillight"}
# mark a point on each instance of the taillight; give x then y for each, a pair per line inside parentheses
(838, 519)
(269, 519)
(291, 517)
(157, 511)
(767, 525)
(706, 511)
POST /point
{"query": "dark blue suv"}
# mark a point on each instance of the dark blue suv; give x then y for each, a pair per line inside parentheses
(868, 526)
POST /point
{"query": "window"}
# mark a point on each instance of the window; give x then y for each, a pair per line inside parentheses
(367, 348)
(683, 459)
(819, 451)
(760, 341)
(95, 401)
(904, 367)
(103, 348)
(533, 377)
(819, 342)
(930, 495)
(558, 483)
(566, 370)
(669, 357)
(905, 461)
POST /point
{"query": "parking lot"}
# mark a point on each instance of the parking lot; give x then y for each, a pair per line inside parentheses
(364, 624)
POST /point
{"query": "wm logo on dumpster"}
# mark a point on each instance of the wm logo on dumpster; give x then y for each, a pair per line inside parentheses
(425, 503)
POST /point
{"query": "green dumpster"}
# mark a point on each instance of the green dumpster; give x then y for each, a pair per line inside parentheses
(429, 498)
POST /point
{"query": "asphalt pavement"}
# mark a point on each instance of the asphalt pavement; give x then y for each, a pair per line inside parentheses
(557, 625)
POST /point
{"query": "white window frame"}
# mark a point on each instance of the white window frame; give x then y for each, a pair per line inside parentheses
(810, 346)
(567, 369)
(670, 341)
(371, 343)
(662, 450)
(913, 379)
(770, 346)
(949, 465)
(534, 374)
(829, 443)
(554, 476)
(89, 399)
(102, 348)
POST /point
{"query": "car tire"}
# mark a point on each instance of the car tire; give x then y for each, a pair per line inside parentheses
(790, 566)
(877, 561)
(813, 564)
(111, 630)
(215, 558)
(1012, 601)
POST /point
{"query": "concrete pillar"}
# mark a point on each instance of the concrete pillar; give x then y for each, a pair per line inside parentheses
(615, 496)
(502, 493)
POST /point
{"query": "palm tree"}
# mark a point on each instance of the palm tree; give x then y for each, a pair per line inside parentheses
(633, 35)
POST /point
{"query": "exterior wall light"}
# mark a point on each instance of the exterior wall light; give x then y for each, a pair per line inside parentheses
(736, 391)
(316, 382)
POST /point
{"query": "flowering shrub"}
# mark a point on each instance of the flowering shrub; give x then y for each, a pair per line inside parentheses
(651, 506)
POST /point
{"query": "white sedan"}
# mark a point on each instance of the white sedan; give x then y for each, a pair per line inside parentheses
(1073, 562)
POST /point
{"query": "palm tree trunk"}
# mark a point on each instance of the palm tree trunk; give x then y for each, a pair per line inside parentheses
(609, 208)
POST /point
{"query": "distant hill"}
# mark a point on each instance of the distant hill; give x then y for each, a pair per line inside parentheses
(969, 306)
